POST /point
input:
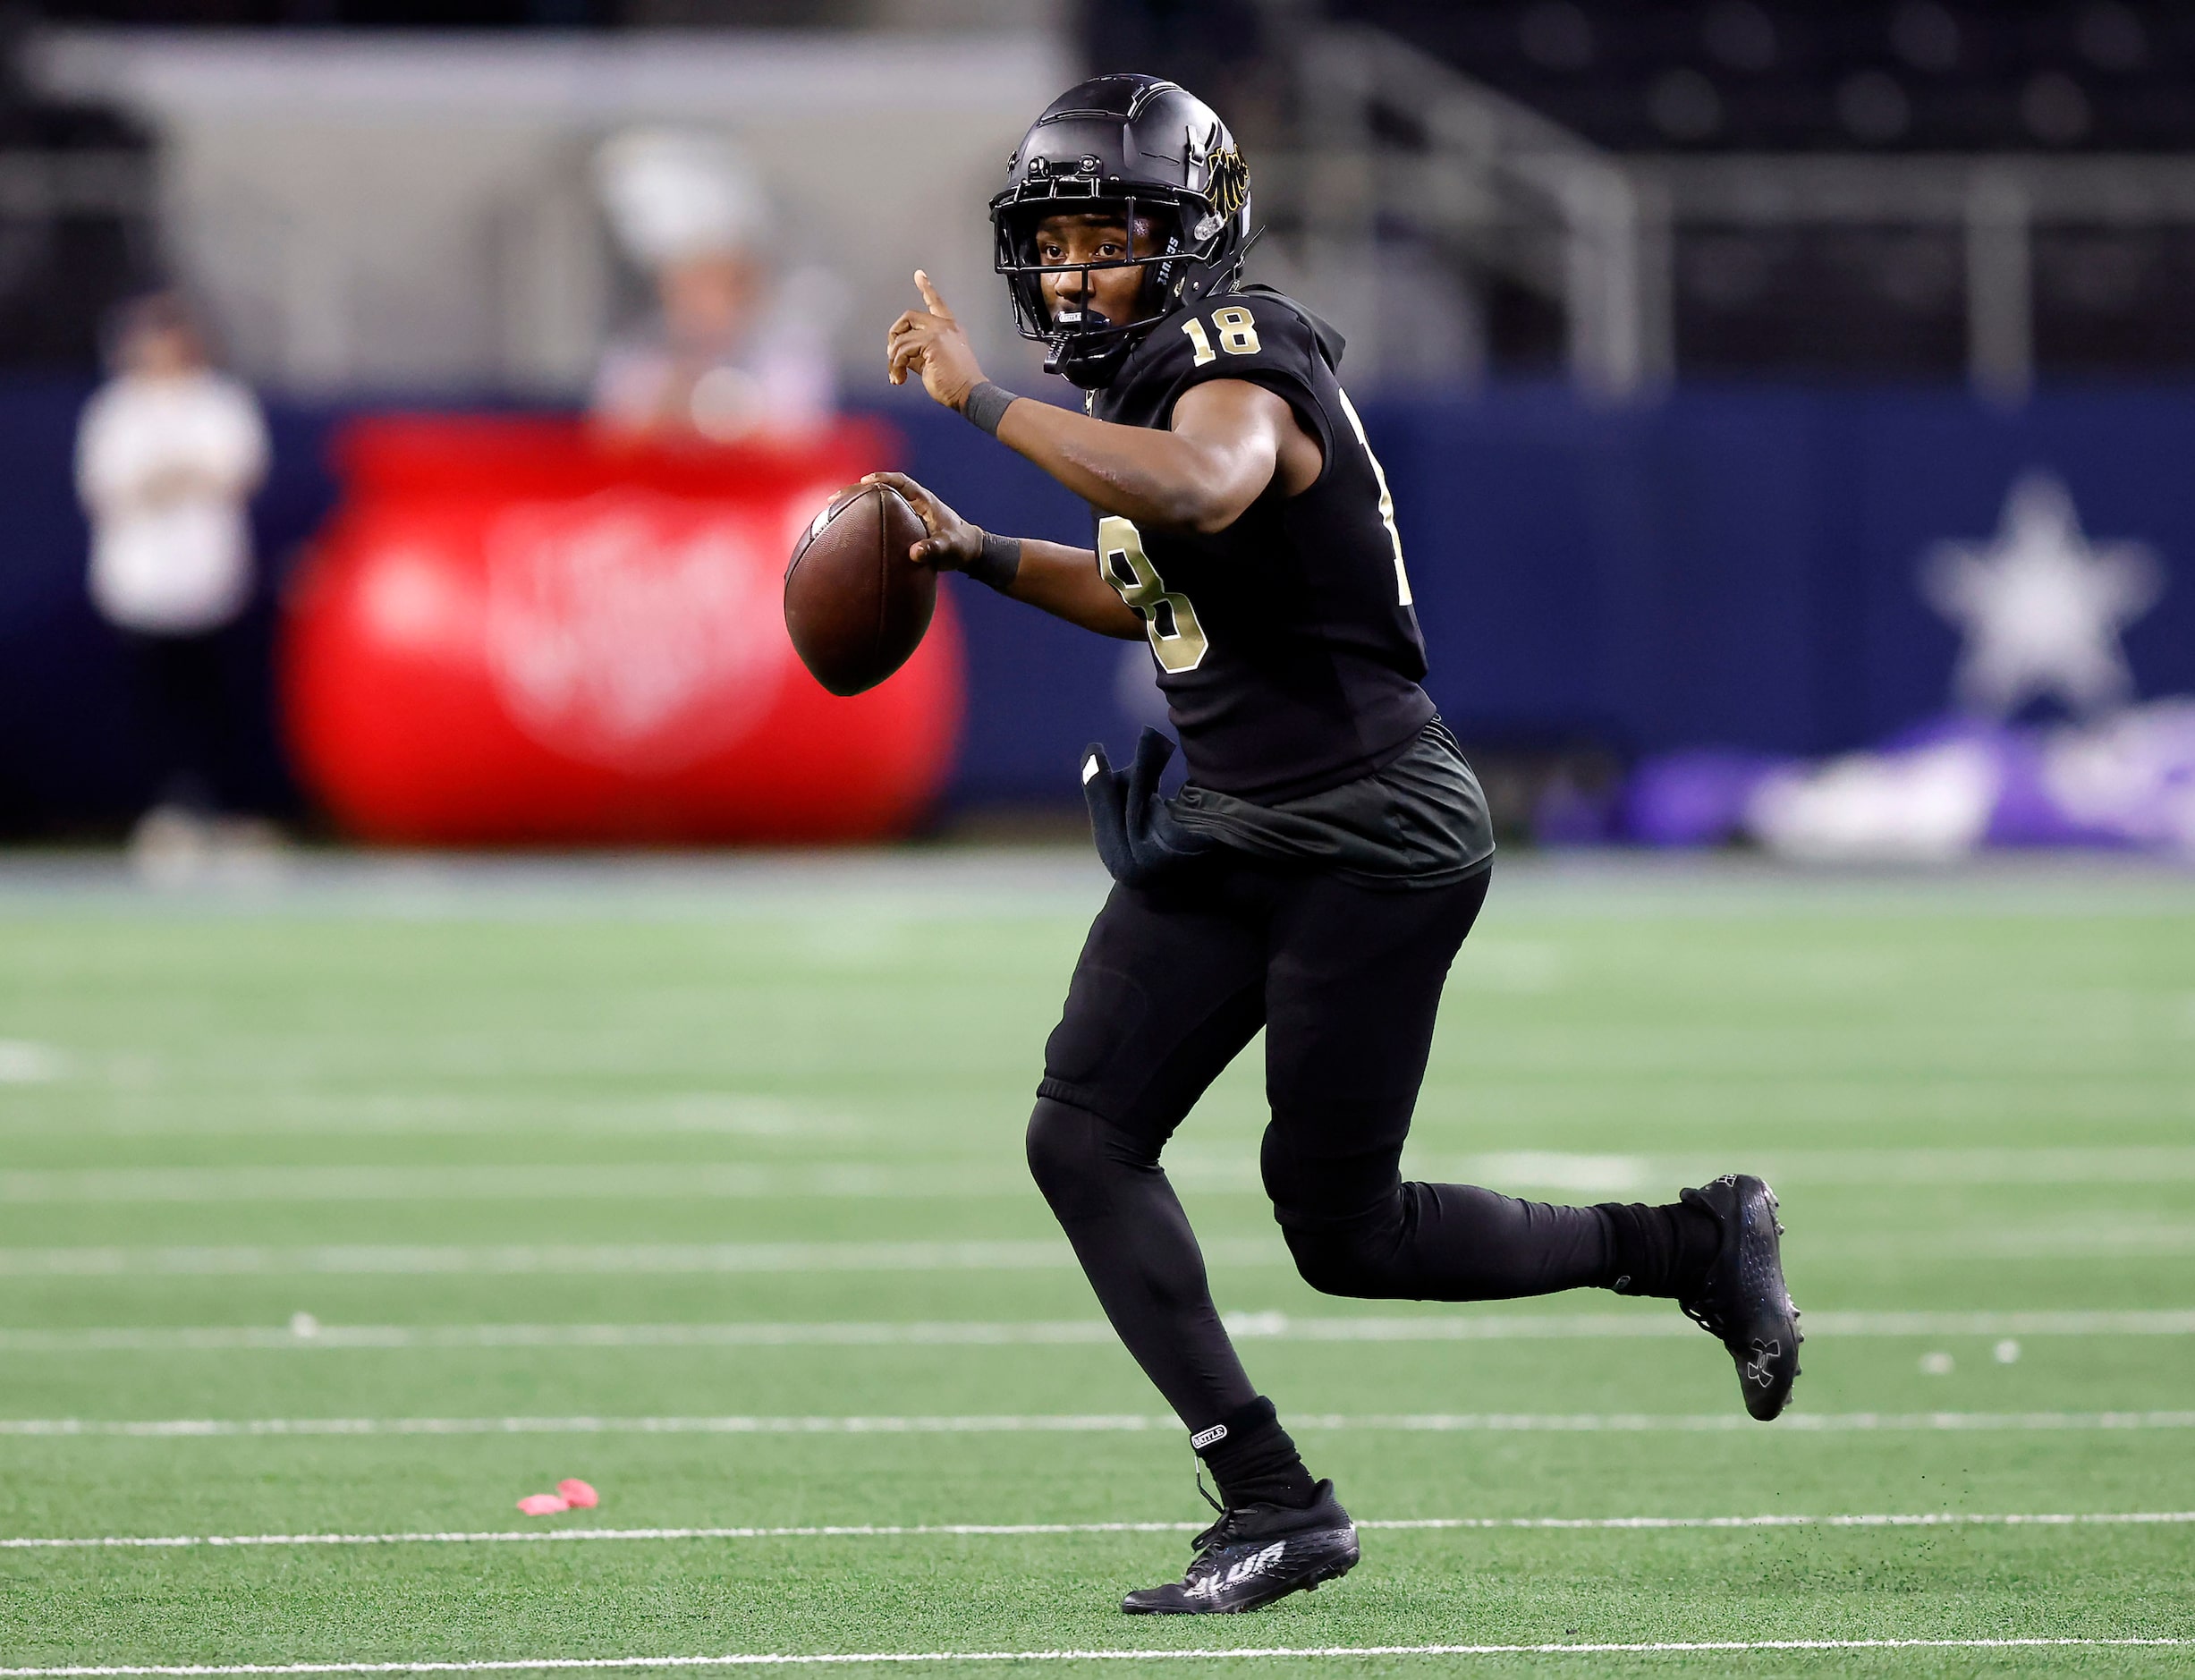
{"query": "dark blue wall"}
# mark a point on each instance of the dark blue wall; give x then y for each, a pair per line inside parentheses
(1739, 567)
(1731, 567)
(69, 752)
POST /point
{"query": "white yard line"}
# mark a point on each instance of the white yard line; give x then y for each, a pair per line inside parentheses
(636, 1259)
(793, 1660)
(228, 1338)
(1202, 1168)
(865, 1531)
(2097, 1239)
(307, 1333)
(1612, 1174)
(519, 1181)
(1094, 1423)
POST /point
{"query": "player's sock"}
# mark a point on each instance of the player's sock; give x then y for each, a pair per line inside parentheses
(1254, 1460)
(1659, 1251)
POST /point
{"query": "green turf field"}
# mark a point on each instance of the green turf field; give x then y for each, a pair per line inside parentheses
(704, 1183)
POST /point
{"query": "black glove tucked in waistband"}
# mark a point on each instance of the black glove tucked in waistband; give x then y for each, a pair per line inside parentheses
(1138, 837)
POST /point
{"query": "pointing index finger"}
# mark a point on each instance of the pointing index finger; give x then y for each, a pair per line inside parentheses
(930, 297)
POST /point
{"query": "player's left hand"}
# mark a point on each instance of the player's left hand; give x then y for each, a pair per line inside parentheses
(932, 342)
(953, 545)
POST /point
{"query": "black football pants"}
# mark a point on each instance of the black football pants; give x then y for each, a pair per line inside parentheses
(1172, 984)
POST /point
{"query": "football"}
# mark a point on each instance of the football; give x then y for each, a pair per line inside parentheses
(855, 605)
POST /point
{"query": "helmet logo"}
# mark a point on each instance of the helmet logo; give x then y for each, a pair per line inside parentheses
(1226, 181)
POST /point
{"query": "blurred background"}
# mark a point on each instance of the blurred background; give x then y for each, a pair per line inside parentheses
(407, 407)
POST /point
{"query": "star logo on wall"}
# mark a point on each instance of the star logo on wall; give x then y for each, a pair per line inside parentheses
(2042, 606)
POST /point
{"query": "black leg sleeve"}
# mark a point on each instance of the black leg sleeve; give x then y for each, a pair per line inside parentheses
(1352, 996)
(1169, 989)
(1129, 1231)
(1452, 1242)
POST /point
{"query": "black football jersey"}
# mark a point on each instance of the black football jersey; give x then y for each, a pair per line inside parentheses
(1286, 644)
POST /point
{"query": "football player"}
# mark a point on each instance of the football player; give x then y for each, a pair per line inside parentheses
(1326, 859)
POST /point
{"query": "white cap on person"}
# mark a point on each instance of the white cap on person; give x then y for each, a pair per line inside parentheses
(673, 194)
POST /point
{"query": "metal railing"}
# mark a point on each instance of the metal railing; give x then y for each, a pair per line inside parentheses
(1995, 201)
(1499, 186)
(1505, 192)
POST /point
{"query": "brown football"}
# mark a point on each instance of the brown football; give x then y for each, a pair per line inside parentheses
(855, 604)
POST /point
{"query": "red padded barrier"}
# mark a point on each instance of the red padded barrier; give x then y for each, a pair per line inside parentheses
(510, 632)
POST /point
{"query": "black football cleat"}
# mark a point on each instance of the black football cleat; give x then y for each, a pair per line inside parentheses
(1743, 1300)
(1255, 1554)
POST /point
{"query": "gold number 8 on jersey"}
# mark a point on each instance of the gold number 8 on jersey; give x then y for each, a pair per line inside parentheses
(1238, 333)
(1177, 639)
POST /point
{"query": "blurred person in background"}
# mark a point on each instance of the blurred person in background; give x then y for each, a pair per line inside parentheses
(734, 353)
(168, 453)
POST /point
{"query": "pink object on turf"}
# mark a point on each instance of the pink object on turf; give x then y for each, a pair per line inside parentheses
(544, 1503)
(578, 1494)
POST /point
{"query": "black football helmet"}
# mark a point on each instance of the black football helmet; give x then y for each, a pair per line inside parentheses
(1148, 149)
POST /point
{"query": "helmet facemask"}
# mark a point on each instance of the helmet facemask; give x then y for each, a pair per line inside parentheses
(1084, 343)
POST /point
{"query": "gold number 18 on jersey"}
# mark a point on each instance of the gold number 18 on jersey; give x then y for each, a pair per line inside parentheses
(1238, 334)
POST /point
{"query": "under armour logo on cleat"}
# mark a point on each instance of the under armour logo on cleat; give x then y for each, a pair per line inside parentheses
(1256, 1563)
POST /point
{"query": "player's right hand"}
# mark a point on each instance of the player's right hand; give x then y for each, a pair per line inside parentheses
(953, 545)
(932, 342)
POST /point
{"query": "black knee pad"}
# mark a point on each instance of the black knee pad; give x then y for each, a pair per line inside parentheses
(1073, 1156)
(1343, 1216)
(1328, 1187)
(1342, 1260)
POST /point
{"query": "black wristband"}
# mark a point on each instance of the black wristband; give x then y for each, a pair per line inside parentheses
(999, 563)
(987, 405)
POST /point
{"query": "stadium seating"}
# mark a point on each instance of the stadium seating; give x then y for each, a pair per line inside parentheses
(1916, 75)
